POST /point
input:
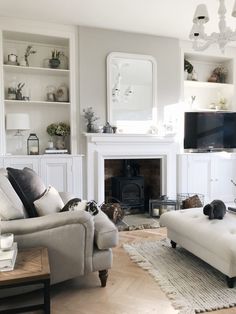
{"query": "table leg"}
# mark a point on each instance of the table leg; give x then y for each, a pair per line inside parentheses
(47, 296)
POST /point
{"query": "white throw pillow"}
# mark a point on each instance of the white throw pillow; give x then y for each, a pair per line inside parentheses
(7, 210)
(49, 203)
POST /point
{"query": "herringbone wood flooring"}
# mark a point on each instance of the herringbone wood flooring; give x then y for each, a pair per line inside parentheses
(130, 290)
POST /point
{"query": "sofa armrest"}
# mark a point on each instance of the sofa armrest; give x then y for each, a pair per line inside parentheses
(106, 233)
(68, 236)
(31, 225)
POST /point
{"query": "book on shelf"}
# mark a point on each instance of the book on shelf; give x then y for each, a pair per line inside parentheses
(8, 258)
(56, 151)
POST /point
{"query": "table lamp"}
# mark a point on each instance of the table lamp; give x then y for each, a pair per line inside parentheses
(18, 122)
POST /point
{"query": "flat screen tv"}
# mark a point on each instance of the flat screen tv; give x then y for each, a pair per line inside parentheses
(210, 130)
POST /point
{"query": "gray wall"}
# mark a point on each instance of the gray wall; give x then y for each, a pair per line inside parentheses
(94, 46)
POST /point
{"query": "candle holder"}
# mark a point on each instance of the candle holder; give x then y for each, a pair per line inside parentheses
(6, 241)
(33, 144)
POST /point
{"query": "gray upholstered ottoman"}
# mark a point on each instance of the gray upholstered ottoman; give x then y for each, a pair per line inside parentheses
(214, 241)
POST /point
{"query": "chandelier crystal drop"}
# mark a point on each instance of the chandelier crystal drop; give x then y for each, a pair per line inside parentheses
(201, 40)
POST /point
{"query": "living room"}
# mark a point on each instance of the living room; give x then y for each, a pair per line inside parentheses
(97, 45)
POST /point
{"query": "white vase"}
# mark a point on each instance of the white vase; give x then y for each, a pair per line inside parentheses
(60, 142)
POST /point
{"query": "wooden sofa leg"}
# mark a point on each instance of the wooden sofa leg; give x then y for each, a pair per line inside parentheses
(173, 244)
(103, 275)
(230, 282)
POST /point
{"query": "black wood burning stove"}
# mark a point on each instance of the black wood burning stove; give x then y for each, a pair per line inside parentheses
(129, 191)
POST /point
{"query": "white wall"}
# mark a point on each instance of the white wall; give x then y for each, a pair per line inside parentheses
(94, 46)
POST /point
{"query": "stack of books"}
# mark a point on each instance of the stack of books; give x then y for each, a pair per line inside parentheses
(8, 258)
(56, 151)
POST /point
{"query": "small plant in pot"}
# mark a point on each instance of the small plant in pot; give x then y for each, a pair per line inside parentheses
(188, 69)
(60, 131)
(54, 62)
(19, 95)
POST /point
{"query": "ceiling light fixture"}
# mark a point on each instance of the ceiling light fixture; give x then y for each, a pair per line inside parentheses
(201, 40)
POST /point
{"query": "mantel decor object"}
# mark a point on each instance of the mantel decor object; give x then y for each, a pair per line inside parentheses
(33, 144)
(90, 116)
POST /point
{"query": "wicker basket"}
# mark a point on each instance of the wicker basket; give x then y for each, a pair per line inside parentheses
(190, 200)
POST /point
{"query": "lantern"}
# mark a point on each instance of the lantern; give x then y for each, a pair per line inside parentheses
(33, 144)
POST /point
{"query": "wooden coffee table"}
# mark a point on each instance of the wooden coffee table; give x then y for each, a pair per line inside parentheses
(32, 267)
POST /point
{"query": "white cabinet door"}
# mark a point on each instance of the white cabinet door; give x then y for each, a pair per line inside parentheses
(199, 175)
(58, 173)
(209, 174)
(21, 162)
(224, 170)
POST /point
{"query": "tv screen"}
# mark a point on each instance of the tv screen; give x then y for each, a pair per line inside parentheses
(210, 130)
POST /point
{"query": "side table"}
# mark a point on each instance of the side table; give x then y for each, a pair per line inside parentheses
(32, 267)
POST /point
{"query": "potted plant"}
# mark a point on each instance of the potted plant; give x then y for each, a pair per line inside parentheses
(60, 131)
(188, 69)
(54, 62)
(29, 51)
(19, 95)
(89, 115)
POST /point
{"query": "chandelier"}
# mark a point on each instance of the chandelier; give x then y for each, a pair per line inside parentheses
(201, 40)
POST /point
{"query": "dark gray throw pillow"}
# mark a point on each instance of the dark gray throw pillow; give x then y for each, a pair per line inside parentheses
(29, 187)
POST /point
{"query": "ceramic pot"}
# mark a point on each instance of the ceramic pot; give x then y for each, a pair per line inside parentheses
(60, 142)
(54, 63)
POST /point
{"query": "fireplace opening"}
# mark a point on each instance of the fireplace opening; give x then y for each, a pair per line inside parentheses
(132, 182)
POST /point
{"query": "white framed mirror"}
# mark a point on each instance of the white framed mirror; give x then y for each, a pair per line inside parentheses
(131, 92)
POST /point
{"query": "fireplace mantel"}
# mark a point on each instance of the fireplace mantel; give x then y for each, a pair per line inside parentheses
(102, 146)
(127, 138)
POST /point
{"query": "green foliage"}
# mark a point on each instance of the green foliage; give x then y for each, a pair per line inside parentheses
(60, 129)
(56, 54)
(19, 87)
(89, 115)
(188, 66)
(29, 51)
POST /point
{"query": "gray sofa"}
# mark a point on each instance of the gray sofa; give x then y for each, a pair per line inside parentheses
(78, 243)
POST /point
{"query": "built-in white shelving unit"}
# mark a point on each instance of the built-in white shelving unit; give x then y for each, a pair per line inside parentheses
(38, 79)
(208, 94)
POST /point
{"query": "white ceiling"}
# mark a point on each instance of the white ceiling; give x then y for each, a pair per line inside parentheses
(171, 18)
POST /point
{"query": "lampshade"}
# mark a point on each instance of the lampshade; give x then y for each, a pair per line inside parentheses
(201, 14)
(234, 10)
(17, 121)
(195, 32)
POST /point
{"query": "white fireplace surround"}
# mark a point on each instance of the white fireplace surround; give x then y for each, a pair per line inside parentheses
(128, 146)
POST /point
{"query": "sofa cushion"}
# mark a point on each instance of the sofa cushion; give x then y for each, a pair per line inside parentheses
(10, 193)
(29, 187)
(49, 203)
(7, 210)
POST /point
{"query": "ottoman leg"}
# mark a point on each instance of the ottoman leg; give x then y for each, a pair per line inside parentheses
(173, 244)
(230, 282)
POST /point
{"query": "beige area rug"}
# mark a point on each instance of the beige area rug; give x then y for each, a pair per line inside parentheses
(138, 222)
(192, 285)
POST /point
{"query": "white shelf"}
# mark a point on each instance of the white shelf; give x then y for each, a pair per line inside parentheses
(8, 101)
(201, 84)
(35, 70)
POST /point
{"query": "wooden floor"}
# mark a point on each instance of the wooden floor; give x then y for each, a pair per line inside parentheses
(130, 289)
